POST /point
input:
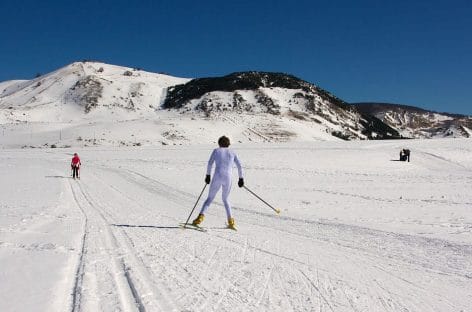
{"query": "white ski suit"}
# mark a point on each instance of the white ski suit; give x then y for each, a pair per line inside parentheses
(224, 158)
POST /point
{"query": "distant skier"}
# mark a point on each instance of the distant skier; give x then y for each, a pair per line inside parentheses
(75, 165)
(224, 159)
(405, 155)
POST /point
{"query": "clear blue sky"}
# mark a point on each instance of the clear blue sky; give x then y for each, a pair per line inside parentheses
(410, 52)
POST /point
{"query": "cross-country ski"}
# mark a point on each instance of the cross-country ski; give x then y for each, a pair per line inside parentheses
(193, 227)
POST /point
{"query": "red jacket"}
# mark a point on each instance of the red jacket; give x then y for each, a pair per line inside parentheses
(75, 161)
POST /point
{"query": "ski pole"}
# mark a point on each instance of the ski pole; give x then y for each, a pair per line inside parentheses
(275, 209)
(198, 199)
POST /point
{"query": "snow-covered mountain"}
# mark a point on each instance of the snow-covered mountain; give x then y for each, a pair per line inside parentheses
(84, 90)
(91, 103)
(286, 107)
(414, 122)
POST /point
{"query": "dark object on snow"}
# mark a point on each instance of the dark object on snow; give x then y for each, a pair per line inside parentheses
(405, 155)
(241, 182)
(207, 179)
(75, 172)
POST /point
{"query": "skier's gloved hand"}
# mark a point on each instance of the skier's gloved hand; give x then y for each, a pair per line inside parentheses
(207, 179)
(241, 182)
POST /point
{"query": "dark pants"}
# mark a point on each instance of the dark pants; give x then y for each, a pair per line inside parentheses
(405, 158)
(75, 172)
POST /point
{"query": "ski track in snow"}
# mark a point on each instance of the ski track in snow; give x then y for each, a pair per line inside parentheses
(79, 275)
(130, 277)
(133, 256)
(351, 238)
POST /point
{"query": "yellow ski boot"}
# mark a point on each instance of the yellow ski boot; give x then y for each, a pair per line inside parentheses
(231, 224)
(198, 220)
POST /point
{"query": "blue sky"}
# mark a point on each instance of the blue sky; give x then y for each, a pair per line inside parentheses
(410, 52)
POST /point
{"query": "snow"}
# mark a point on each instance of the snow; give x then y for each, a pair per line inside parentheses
(58, 96)
(96, 104)
(467, 130)
(425, 125)
(358, 231)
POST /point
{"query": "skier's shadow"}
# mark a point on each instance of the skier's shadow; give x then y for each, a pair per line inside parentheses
(162, 227)
(58, 176)
(146, 226)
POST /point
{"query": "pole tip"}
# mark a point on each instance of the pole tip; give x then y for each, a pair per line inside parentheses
(277, 210)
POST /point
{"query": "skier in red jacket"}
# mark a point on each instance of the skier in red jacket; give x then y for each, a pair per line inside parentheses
(75, 165)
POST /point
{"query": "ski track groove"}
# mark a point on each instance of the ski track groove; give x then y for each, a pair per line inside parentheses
(386, 200)
(265, 287)
(196, 285)
(317, 289)
(286, 296)
(135, 293)
(443, 159)
(231, 284)
(79, 275)
(349, 300)
(340, 227)
(190, 196)
(167, 251)
(115, 267)
(136, 265)
(178, 196)
(175, 264)
(417, 288)
(319, 294)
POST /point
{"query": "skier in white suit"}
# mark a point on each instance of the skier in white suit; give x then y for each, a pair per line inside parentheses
(224, 159)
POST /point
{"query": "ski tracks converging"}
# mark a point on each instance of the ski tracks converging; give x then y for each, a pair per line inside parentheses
(278, 263)
(109, 274)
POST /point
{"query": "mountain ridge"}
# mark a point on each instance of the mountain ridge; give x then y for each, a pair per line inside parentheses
(384, 105)
(129, 106)
(416, 122)
(277, 94)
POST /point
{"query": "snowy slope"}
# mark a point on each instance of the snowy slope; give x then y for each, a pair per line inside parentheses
(414, 122)
(278, 97)
(91, 103)
(96, 104)
(287, 109)
(357, 232)
(89, 87)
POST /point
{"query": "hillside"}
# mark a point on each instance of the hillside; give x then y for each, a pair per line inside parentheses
(278, 97)
(416, 122)
(92, 103)
(85, 90)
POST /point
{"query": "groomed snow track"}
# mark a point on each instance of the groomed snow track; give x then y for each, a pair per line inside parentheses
(353, 237)
(130, 278)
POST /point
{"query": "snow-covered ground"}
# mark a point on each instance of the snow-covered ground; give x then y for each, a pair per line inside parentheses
(357, 232)
(164, 128)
